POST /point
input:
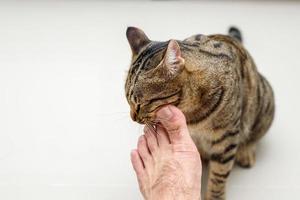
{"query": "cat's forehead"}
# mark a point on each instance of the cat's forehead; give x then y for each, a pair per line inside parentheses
(149, 57)
(151, 49)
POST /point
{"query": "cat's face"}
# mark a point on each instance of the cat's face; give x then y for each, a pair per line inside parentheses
(153, 79)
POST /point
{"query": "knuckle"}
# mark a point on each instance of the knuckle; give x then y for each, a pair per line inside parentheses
(145, 158)
(149, 135)
(176, 125)
(177, 119)
(152, 148)
(141, 140)
(150, 144)
(142, 187)
(174, 129)
(183, 148)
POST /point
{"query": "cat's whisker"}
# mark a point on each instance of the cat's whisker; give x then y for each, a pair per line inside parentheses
(113, 113)
(153, 124)
(151, 127)
(155, 121)
(121, 118)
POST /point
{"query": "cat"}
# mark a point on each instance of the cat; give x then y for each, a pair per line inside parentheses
(214, 81)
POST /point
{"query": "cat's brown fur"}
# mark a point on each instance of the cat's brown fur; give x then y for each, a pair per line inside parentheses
(228, 105)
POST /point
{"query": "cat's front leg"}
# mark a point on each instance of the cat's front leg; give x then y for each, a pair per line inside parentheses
(220, 164)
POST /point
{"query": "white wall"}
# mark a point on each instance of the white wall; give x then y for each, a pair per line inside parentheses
(65, 131)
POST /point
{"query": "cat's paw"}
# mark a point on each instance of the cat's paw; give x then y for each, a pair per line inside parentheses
(245, 157)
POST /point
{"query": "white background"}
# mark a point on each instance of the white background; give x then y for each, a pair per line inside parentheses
(65, 131)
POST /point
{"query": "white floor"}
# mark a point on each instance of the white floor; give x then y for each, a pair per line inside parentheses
(65, 131)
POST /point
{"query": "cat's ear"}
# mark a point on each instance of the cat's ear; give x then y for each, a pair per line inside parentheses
(137, 39)
(173, 60)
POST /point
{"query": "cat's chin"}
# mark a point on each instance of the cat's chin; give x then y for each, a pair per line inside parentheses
(150, 117)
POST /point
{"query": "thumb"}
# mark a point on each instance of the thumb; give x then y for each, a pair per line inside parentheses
(173, 120)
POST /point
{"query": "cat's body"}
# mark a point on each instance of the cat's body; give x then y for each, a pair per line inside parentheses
(228, 105)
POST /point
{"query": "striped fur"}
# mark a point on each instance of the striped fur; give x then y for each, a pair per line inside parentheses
(227, 103)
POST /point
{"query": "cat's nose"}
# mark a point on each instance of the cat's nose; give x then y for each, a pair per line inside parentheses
(133, 115)
(134, 110)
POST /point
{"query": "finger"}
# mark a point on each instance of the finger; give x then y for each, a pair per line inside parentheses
(173, 120)
(137, 163)
(138, 166)
(162, 137)
(151, 140)
(144, 151)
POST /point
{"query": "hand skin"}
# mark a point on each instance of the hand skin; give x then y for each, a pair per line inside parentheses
(167, 163)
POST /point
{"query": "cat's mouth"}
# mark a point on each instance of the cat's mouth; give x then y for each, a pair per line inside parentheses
(146, 112)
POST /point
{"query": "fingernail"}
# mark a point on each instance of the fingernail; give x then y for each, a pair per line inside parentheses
(133, 155)
(141, 138)
(164, 113)
(132, 152)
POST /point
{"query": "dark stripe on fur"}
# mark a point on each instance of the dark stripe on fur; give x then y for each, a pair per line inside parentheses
(200, 115)
(147, 54)
(226, 135)
(217, 194)
(221, 156)
(230, 147)
(219, 56)
(210, 54)
(162, 98)
(149, 50)
(216, 181)
(221, 175)
(221, 159)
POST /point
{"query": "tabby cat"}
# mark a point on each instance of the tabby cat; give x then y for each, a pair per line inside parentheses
(227, 103)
